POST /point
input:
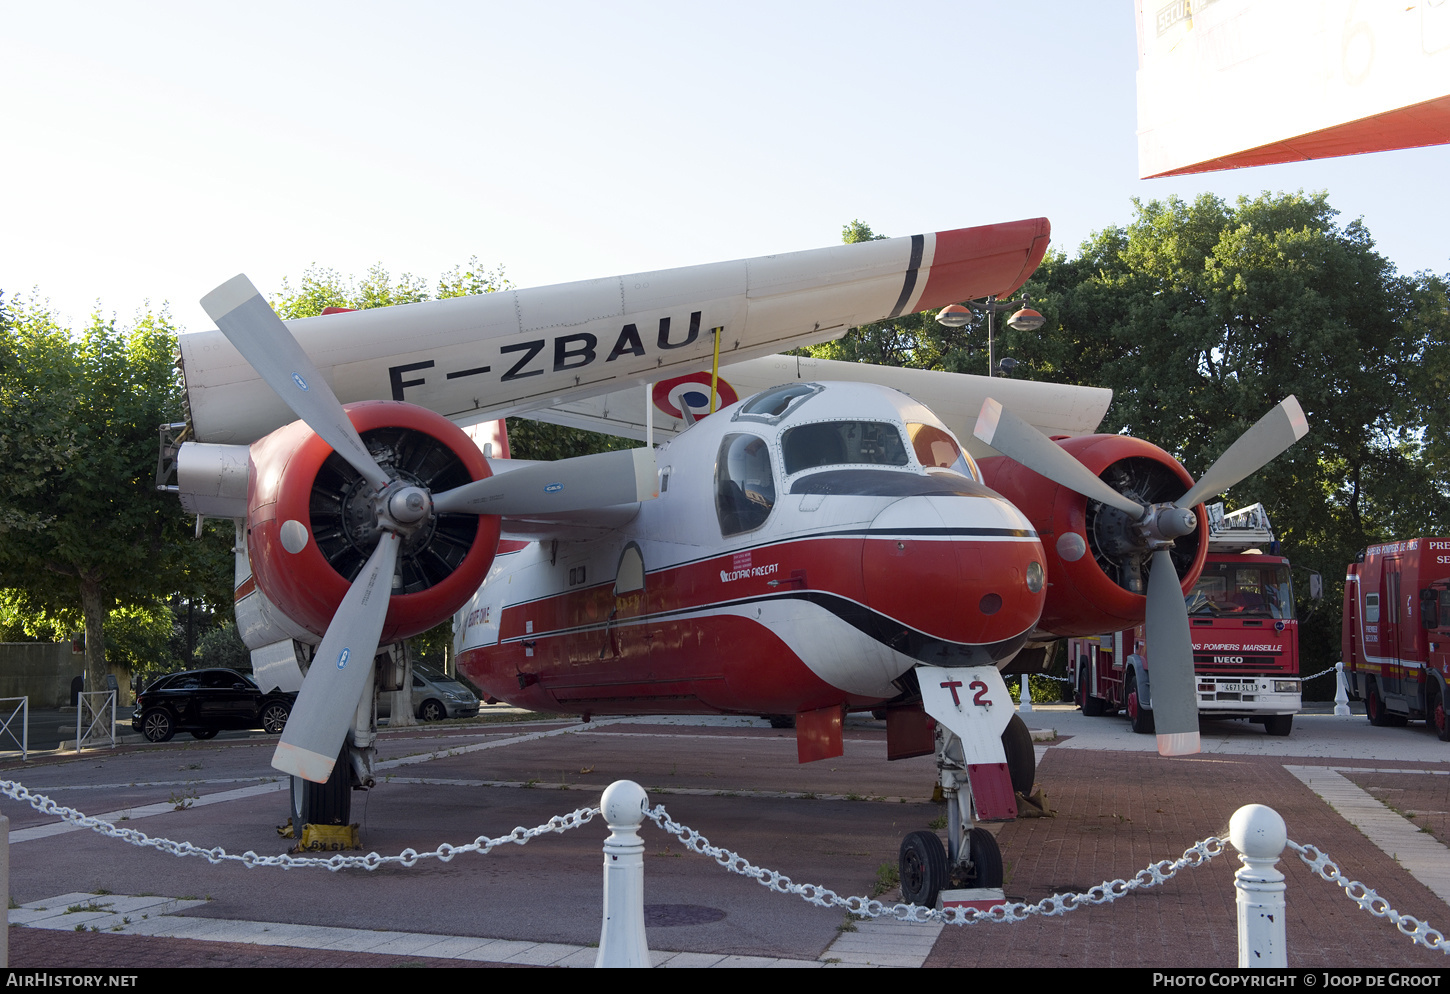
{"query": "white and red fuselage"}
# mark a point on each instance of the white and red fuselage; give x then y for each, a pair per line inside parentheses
(808, 547)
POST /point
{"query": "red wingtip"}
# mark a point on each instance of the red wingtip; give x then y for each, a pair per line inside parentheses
(992, 259)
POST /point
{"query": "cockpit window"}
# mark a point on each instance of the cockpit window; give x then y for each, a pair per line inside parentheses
(744, 484)
(936, 448)
(842, 443)
(769, 406)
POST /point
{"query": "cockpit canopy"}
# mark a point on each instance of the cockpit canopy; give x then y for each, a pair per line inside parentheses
(866, 456)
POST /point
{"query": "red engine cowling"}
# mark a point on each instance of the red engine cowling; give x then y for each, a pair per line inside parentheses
(1097, 578)
(296, 477)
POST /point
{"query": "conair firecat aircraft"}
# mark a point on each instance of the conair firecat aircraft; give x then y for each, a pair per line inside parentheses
(811, 538)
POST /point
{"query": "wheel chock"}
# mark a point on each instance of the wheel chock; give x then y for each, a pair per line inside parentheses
(328, 838)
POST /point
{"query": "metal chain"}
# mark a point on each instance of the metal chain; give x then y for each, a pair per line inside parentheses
(1419, 932)
(821, 897)
(1319, 674)
(481, 845)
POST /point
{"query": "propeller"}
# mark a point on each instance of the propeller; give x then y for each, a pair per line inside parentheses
(1153, 529)
(342, 667)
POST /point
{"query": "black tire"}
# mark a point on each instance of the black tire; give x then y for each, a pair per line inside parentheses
(158, 725)
(1092, 707)
(1139, 717)
(209, 733)
(1279, 724)
(985, 866)
(1437, 718)
(274, 717)
(1021, 758)
(327, 803)
(923, 866)
(1375, 710)
(432, 711)
(780, 720)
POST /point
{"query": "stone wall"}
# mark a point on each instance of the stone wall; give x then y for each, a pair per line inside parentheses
(43, 671)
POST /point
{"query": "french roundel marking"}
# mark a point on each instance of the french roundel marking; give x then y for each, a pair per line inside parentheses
(692, 389)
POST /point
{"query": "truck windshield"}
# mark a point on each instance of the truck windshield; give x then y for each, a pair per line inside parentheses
(1243, 590)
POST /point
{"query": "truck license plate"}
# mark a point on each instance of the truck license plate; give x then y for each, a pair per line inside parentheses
(1238, 687)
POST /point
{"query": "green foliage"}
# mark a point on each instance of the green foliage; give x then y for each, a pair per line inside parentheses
(83, 525)
(320, 288)
(220, 645)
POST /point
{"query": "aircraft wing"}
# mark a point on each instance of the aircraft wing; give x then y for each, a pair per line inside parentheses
(477, 358)
(956, 398)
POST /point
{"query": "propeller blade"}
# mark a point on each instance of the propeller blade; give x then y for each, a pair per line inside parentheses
(250, 324)
(1173, 688)
(581, 483)
(1016, 439)
(1255, 448)
(341, 670)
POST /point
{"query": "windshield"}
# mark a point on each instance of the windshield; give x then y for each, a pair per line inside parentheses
(842, 443)
(1243, 590)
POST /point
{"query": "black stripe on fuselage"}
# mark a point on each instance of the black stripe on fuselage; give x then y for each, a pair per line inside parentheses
(888, 631)
(918, 246)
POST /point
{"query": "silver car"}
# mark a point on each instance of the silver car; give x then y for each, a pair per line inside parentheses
(435, 696)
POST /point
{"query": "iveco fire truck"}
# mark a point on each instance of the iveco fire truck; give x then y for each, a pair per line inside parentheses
(1245, 637)
(1396, 631)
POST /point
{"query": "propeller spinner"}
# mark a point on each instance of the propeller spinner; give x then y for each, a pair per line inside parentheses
(1153, 529)
(342, 667)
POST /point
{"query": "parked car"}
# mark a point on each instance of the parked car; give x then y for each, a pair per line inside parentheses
(204, 702)
(435, 696)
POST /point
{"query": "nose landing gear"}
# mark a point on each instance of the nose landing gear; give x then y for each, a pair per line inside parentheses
(984, 758)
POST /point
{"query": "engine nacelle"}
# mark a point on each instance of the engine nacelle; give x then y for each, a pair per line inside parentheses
(1097, 579)
(311, 528)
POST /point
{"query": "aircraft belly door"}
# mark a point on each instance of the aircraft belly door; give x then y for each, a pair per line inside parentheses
(628, 638)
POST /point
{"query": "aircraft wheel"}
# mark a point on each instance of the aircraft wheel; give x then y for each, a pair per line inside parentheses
(923, 866)
(1279, 724)
(327, 803)
(1140, 717)
(985, 867)
(1021, 758)
(780, 720)
(209, 733)
(1092, 707)
(157, 726)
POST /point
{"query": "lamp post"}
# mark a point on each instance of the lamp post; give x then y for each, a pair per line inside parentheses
(1023, 319)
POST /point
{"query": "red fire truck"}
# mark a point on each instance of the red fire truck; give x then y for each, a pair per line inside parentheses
(1245, 637)
(1396, 631)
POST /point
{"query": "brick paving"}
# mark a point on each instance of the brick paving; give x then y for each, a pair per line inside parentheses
(1118, 809)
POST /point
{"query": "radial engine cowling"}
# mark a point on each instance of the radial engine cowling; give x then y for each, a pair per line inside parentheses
(311, 525)
(1097, 565)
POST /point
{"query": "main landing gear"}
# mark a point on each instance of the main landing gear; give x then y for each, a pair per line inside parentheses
(971, 857)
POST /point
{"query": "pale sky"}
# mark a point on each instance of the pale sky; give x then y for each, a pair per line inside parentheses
(154, 150)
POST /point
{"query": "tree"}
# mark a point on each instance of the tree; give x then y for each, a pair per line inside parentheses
(1201, 316)
(83, 526)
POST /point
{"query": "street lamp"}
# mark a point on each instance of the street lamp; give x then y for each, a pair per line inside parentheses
(1023, 319)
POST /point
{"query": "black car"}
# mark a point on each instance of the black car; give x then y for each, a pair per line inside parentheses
(204, 702)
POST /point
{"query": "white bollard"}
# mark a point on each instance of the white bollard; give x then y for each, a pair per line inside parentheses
(1258, 833)
(1341, 692)
(622, 938)
(1024, 696)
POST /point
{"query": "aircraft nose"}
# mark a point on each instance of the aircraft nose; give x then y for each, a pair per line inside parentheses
(961, 571)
